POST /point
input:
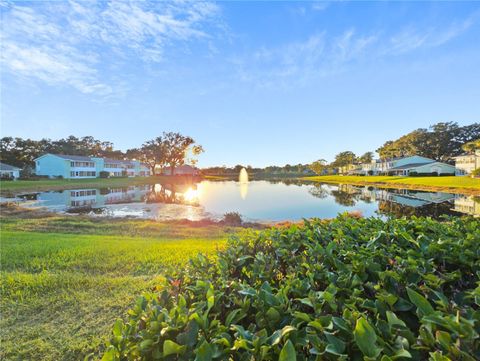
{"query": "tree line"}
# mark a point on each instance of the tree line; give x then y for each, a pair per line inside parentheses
(269, 171)
(441, 141)
(167, 150)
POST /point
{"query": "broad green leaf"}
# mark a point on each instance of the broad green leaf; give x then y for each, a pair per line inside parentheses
(172, 348)
(276, 337)
(335, 345)
(366, 338)
(231, 316)
(288, 352)
(189, 337)
(118, 328)
(204, 352)
(145, 344)
(394, 320)
(110, 355)
(421, 302)
(273, 315)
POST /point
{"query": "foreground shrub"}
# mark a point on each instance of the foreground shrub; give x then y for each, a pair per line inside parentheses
(346, 289)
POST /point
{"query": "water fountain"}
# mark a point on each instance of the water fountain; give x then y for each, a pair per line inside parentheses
(243, 180)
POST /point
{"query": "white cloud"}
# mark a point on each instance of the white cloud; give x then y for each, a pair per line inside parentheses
(299, 62)
(322, 54)
(320, 5)
(67, 43)
(412, 38)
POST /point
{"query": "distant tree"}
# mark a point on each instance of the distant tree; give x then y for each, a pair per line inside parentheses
(319, 166)
(442, 141)
(470, 147)
(343, 159)
(153, 153)
(238, 168)
(366, 158)
(177, 146)
(195, 151)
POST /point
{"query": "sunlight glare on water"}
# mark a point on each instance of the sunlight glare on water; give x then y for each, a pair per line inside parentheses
(243, 180)
(191, 195)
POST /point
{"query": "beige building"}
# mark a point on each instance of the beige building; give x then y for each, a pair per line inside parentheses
(467, 163)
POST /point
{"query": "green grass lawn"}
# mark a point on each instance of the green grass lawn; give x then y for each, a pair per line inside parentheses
(455, 184)
(64, 280)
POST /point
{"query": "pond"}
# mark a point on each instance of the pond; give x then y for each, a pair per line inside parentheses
(261, 201)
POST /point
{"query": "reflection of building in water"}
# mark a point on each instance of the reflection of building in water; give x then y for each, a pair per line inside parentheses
(467, 204)
(83, 198)
(94, 198)
(406, 197)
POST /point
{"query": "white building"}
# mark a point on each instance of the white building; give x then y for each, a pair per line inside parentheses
(403, 166)
(9, 171)
(467, 163)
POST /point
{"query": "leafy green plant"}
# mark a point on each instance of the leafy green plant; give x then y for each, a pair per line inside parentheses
(345, 289)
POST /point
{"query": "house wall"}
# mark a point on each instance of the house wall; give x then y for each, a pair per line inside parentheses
(52, 166)
(440, 168)
(11, 173)
(466, 163)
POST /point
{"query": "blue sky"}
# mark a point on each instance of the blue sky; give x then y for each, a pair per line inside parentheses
(254, 83)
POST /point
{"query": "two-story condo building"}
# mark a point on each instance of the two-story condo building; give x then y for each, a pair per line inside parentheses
(467, 163)
(404, 166)
(76, 166)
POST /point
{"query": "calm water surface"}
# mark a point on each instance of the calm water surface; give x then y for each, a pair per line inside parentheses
(255, 201)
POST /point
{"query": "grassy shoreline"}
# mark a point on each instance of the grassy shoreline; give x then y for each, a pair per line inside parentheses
(458, 185)
(65, 280)
(10, 188)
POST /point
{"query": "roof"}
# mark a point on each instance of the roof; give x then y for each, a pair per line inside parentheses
(68, 157)
(399, 158)
(415, 165)
(110, 160)
(411, 165)
(4, 166)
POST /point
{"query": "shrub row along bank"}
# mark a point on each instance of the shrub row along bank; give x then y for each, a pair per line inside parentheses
(348, 289)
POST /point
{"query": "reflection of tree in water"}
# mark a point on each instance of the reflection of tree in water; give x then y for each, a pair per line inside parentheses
(169, 194)
(286, 181)
(346, 194)
(318, 191)
(344, 198)
(434, 210)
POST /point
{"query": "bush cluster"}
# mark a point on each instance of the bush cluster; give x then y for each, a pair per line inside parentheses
(345, 289)
(432, 174)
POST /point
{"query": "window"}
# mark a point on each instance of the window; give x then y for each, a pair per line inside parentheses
(112, 165)
(88, 192)
(83, 164)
